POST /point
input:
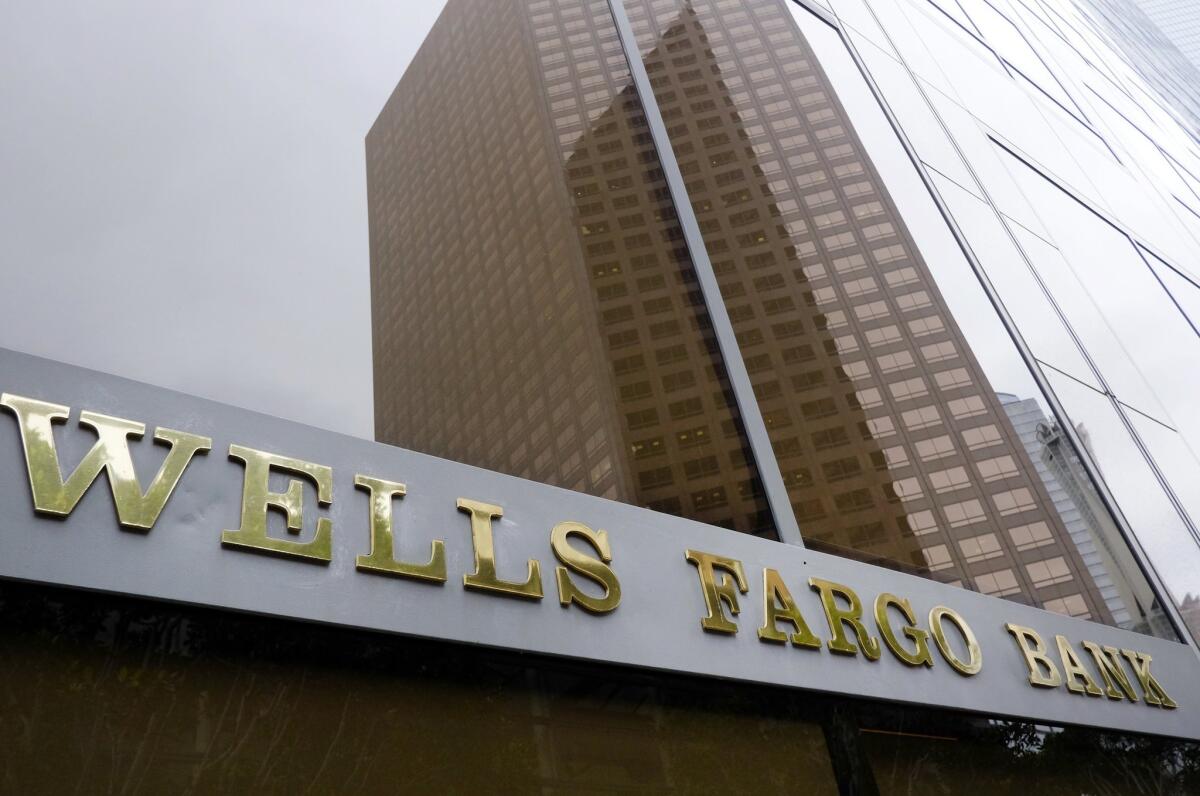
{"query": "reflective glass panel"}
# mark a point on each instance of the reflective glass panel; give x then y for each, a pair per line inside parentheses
(108, 694)
(534, 308)
(905, 437)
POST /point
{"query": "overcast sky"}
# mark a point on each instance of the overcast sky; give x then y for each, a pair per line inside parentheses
(184, 192)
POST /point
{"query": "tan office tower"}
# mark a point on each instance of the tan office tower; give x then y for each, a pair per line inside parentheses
(535, 309)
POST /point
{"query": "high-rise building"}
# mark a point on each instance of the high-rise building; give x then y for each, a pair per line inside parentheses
(1161, 39)
(1093, 533)
(1180, 21)
(520, 217)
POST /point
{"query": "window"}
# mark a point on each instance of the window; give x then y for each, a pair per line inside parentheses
(913, 301)
(997, 469)
(869, 398)
(921, 522)
(883, 336)
(909, 388)
(1013, 501)
(877, 428)
(829, 438)
(857, 500)
(699, 468)
(998, 584)
(903, 489)
(938, 557)
(939, 352)
(935, 448)
(1035, 534)
(970, 406)
(858, 287)
(890, 363)
(981, 437)
(980, 548)
(901, 277)
(925, 417)
(952, 379)
(871, 311)
(1072, 605)
(1049, 572)
(925, 326)
(841, 469)
(949, 480)
(650, 479)
(646, 448)
(965, 513)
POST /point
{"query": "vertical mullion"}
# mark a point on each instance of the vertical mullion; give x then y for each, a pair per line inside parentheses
(739, 380)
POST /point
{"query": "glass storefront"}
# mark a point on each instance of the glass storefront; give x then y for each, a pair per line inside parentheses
(106, 694)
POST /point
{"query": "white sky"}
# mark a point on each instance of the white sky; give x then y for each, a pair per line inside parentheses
(184, 192)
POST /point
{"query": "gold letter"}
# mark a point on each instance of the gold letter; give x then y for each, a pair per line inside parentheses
(779, 606)
(921, 655)
(1034, 650)
(852, 616)
(484, 577)
(585, 565)
(383, 542)
(716, 593)
(258, 499)
(1079, 679)
(968, 668)
(1108, 660)
(52, 495)
(1152, 690)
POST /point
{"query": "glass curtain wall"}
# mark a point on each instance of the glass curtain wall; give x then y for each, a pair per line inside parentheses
(527, 264)
(144, 697)
(906, 427)
(1071, 177)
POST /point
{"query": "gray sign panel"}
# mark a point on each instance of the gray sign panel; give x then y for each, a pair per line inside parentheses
(657, 624)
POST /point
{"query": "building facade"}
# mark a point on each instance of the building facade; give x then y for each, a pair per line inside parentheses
(889, 439)
(779, 267)
(897, 290)
(1161, 40)
(1178, 21)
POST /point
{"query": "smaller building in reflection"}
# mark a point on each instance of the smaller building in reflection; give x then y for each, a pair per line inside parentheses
(1096, 537)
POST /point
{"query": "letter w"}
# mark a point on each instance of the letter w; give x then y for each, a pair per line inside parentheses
(54, 495)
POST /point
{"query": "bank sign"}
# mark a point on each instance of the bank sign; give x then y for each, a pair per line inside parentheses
(112, 485)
